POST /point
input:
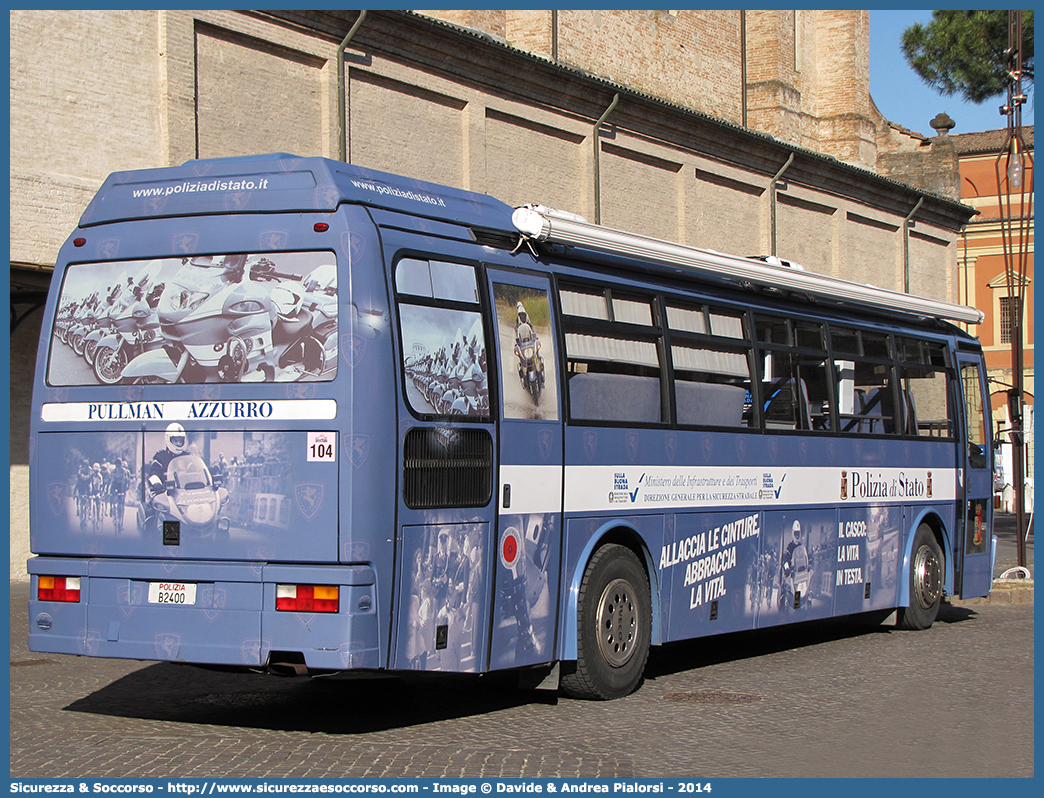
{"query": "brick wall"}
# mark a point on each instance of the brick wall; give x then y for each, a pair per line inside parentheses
(78, 112)
(99, 91)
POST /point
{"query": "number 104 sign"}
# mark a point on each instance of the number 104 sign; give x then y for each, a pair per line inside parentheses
(321, 448)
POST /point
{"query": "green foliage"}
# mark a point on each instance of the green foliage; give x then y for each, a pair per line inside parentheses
(534, 301)
(962, 52)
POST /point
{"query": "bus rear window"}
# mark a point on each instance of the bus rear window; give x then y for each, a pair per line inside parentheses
(260, 317)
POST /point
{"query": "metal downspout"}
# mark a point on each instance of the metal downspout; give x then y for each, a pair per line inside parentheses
(743, 66)
(906, 244)
(342, 133)
(967, 287)
(597, 167)
(772, 201)
(554, 35)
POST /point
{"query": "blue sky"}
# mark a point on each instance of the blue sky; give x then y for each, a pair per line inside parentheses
(905, 99)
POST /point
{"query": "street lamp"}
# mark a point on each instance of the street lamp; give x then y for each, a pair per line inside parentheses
(1015, 231)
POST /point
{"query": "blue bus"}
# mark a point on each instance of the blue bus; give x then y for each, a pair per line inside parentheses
(300, 416)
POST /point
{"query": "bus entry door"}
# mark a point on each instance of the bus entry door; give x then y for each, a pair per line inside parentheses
(975, 488)
(529, 499)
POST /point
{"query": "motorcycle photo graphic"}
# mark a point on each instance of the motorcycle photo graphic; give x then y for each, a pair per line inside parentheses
(796, 571)
(135, 326)
(453, 380)
(446, 370)
(105, 315)
(85, 324)
(237, 318)
(527, 350)
(463, 390)
(180, 487)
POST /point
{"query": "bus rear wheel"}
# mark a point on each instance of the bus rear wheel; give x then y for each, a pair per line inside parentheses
(614, 618)
(926, 582)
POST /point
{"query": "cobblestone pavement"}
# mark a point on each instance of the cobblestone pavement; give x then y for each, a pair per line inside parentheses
(826, 699)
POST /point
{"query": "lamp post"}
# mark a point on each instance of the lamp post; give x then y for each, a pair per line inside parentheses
(1014, 163)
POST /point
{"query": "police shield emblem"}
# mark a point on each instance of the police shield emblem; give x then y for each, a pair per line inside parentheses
(352, 244)
(129, 596)
(250, 651)
(300, 390)
(591, 444)
(207, 392)
(153, 205)
(219, 597)
(166, 646)
(631, 440)
(358, 449)
(326, 197)
(108, 248)
(273, 239)
(309, 498)
(185, 243)
(354, 348)
(57, 496)
(544, 440)
(670, 444)
(237, 201)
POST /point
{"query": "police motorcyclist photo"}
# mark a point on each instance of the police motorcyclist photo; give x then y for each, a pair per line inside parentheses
(176, 445)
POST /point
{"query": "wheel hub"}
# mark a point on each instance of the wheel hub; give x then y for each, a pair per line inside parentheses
(617, 623)
(927, 577)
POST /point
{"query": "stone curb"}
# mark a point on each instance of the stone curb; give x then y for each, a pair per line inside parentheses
(1005, 591)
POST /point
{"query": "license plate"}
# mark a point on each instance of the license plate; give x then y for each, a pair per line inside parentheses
(172, 593)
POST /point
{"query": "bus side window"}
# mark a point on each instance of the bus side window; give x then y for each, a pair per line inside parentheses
(613, 379)
(795, 391)
(444, 358)
(710, 353)
(613, 351)
(927, 392)
(864, 382)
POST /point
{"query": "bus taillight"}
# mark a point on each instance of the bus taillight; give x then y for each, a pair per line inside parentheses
(58, 588)
(307, 598)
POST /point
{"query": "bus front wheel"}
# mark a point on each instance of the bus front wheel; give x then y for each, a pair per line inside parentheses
(926, 582)
(614, 618)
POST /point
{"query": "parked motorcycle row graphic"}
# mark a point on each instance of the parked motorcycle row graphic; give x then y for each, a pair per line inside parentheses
(445, 361)
(210, 318)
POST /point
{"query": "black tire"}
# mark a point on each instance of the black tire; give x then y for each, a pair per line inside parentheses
(614, 618)
(927, 568)
(535, 390)
(89, 349)
(109, 364)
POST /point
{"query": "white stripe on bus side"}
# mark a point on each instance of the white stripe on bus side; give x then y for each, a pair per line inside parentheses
(534, 489)
(629, 488)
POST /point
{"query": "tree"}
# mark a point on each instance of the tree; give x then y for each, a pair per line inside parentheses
(963, 52)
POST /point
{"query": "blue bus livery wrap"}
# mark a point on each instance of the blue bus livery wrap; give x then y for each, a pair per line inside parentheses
(299, 415)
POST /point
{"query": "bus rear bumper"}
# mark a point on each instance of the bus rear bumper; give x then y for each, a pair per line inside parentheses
(228, 617)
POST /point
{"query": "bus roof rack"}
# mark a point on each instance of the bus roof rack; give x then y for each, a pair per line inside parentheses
(543, 224)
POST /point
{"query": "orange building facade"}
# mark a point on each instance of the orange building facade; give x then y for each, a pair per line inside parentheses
(985, 282)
